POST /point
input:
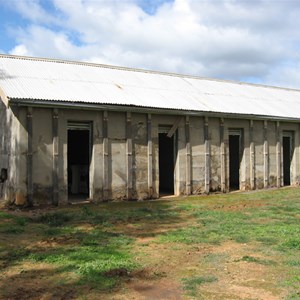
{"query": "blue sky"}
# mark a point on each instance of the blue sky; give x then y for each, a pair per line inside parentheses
(256, 41)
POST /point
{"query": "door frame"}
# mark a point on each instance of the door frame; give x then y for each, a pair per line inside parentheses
(240, 133)
(290, 135)
(166, 129)
(81, 125)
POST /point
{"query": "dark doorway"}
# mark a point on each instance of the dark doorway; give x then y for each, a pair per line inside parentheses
(166, 164)
(287, 151)
(234, 161)
(78, 162)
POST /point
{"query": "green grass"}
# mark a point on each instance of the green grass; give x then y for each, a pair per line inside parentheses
(12, 224)
(90, 257)
(191, 284)
(214, 259)
(14, 255)
(4, 215)
(89, 263)
(13, 229)
(293, 262)
(55, 219)
(272, 226)
(251, 259)
(89, 244)
(294, 296)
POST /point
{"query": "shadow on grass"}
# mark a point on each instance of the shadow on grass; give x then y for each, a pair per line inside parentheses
(83, 264)
(91, 244)
(145, 219)
(52, 283)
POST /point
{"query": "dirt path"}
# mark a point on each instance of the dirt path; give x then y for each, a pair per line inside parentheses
(236, 279)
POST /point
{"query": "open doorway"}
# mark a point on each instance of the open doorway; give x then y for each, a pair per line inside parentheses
(235, 145)
(287, 152)
(78, 160)
(166, 163)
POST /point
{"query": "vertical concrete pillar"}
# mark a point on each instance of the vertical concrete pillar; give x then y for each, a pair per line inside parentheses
(266, 155)
(150, 164)
(207, 156)
(252, 156)
(297, 154)
(29, 157)
(128, 155)
(55, 157)
(96, 162)
(188, 156)
(15, 156)
(278, 154)
(105, 156)
(223, 157)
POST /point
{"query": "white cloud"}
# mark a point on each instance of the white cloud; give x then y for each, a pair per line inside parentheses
(287, 75)
(232, 39)
(32, 10)
(20, 50)
(40, 41)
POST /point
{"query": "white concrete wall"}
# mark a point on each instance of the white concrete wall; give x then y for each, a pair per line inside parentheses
(198, 154)
(42, 146)
(14, 148)
(13, 152)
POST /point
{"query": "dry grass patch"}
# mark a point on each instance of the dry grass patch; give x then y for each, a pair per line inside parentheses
(233, 246)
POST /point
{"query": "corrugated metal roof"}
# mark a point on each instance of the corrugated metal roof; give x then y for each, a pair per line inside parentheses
(54, 80)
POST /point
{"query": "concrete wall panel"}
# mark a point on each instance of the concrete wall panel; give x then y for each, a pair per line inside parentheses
(272, 142)
(117, 155)
(96, 165)
(258, 138)
(42, 155)
(215, 162)
(198, 154)
(14, 148)
(13, 153)
(5, 139)
(140, 156)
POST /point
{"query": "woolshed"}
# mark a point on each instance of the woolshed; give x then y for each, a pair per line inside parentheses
(74, 130)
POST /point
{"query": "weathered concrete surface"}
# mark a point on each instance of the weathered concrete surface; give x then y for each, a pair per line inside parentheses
(42, 146)
(140, 157)
(294, 129)
(117, 155)
(96, 171)
(4, 144)
(13, 154)
(198, 155)
(259, 154)
(272, 141)
(215, 165)
(267, 154)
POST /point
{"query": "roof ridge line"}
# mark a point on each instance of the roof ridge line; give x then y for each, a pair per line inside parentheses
(99, 65)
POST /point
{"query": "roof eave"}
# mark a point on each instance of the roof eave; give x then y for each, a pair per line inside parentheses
(139, 109)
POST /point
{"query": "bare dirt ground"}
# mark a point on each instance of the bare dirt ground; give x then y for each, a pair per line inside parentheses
(236, 279)
(165, 264)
